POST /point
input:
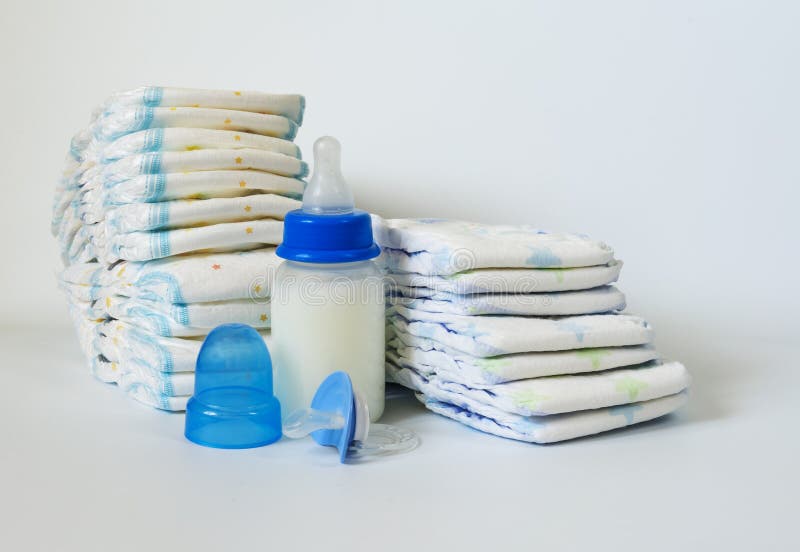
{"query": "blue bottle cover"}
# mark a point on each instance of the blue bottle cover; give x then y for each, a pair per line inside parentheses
(313, 238)
(233, 405)
(335, 394)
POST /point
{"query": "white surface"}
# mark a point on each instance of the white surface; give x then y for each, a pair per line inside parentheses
(667, 129)
(83, 468)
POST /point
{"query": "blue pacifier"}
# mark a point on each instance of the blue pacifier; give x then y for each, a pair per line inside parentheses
(339, 417)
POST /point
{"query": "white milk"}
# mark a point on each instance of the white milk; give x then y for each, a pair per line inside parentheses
(327, 317)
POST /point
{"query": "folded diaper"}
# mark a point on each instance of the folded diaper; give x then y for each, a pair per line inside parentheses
(177, 320)
(188, 139)
(201, 160)
(123, 343)
(146, 395)
(199, 278)
(198, 185)
(81, 140)
(83, 274)
(288, 105)
(80, 249)
(559, 427)
(597, 300)
(443, 247)
(550, 395)
(122, 120)
(69, 222)
(488, 336)
(143, 246)
(471, 408)
(80, 293)
(511, 280)
(482, 372)
(136, 217)
(66, 213)
(135, 373)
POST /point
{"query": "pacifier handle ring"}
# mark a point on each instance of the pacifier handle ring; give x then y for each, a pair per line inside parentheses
(362, 428)
(385, 439)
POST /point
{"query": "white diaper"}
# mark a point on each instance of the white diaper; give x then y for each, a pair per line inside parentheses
(137, 217)
(443, 247)
(559, 427)
(199, 278)
(80, 249)
(81, 274)
(472, 409)
(550, 395)
(65, 194)
(512, 280)
(124, 343)
(143, 246)
(185, 139)
(200, 160)
(288, 105)
(198, 185)
(147, 396)
(488, 336)
(590, 301)
(69, 223)
(194, 319)
(80, 292)
(123, 120)
(482, 372)
(134, 373)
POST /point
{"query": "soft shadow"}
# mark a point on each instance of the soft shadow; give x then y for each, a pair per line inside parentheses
(722, 371)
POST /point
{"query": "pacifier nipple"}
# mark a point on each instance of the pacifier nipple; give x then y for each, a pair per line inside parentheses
(327, 192)
(304, 421)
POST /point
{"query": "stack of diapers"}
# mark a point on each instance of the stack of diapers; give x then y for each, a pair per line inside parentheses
(167, 216)
(518, 332)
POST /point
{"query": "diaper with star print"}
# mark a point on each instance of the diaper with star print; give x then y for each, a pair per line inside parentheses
(184, 279)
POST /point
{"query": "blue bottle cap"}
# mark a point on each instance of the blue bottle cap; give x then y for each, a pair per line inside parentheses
(233, 405)
(327, 229)
(314, 238)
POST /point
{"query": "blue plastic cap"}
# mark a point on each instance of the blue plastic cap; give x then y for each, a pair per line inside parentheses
(312, 238)
(233, 405)
(335, 394)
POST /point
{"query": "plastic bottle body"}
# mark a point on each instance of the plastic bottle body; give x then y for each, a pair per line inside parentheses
(328, 317)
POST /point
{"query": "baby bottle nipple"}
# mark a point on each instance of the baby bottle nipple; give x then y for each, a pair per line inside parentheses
(339, 418)
(327, 192)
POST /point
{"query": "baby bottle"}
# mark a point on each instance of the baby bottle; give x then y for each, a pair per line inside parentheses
(327, 300)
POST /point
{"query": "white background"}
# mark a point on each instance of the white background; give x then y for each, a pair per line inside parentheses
(670, 130)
